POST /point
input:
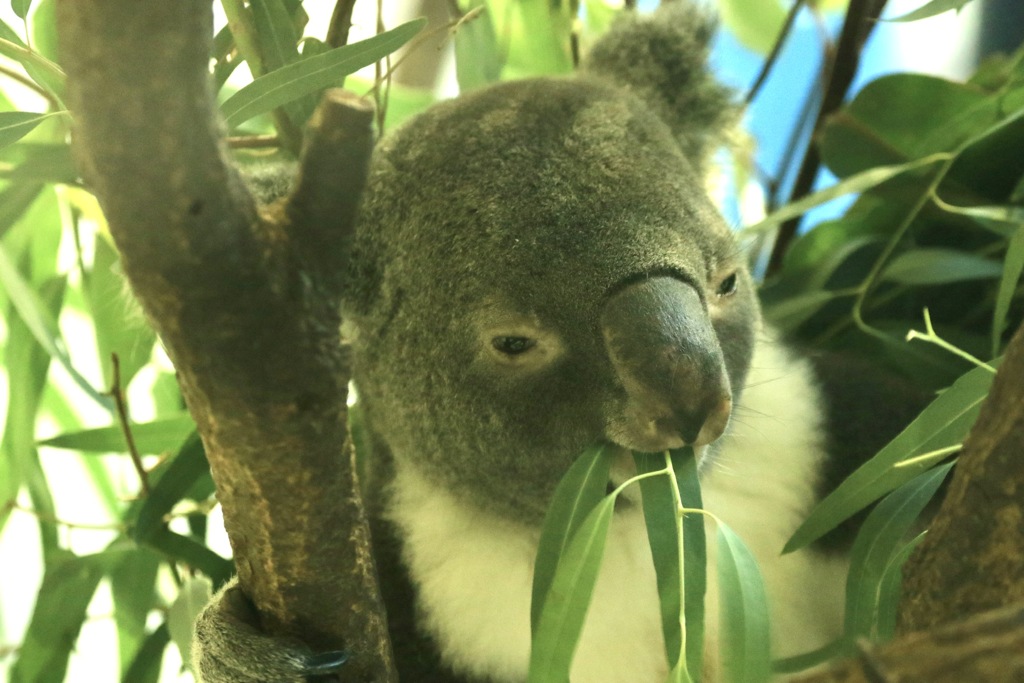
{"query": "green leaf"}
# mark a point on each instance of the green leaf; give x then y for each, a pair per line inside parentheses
(15, 125)
(861, 182)
(15, 200)
(192, 597)
(44, 72)
(151, 438)
(478, 57)
(940, 266)
(133, 587)
(169, 485)
(313, 74)
(755, 23)
(67, 589)
(21, 7)
(791, 312)
(745, 643)
(695, 557)
(561, 619)
(877, 543)
(27, 366)
(682, 602)
(934, 116)
(534, 35)
(1012, 268)
(944, 423)
(933, 8)
(194, 554)
(577, 494)
(890, 590)
(145, 667)
(278, 42)
(119, 329)
(38, 163)
(42, 323)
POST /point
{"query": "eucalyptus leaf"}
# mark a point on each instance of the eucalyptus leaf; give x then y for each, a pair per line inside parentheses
(119, 328)
(879, 540)
(15, 125)
(860, 182)
(577, 494)
(940, 266)
(133, 588)
(44, 72)
(192, 553)
(145, 666)
(192, 597)
(15, 199)
(935, 116)
(21, 7)
(42, 323)
(565, 608)
(167, 487)
(679, 554)
(944, 423)
(27, 364)
(151, 438)
(69, 583)
(313, 74)
(1012, 268)
(931, 9)
(755, 23)
(745, 642)
(890, 590)
(478, 57)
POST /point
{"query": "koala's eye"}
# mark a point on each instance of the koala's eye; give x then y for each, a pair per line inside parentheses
(728, 286)
(513, 346)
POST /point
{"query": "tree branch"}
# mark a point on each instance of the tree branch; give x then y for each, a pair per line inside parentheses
(246, 303)
(861, 17)
(987, 647)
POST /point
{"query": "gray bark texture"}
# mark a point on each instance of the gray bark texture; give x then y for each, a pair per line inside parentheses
(245, 300)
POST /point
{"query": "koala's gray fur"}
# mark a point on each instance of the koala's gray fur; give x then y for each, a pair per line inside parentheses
(537, 269)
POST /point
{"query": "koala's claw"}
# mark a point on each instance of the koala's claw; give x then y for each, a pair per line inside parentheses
(325, 663)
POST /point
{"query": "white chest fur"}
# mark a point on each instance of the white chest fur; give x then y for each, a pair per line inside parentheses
(474, 572)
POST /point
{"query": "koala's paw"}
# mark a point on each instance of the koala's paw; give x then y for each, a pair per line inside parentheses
(228, 647)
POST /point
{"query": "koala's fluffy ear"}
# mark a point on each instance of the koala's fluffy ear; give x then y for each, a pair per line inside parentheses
(662, 58)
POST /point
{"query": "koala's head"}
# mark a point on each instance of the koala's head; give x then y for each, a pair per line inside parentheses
(537, 269)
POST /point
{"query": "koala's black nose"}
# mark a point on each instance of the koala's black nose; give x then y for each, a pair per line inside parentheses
(666, 356)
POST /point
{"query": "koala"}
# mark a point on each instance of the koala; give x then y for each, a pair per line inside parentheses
(537, 269)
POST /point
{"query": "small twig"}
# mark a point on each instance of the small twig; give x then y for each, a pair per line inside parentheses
(341, 23)
(253, 141)
(872, 668)
(33, 86)
(122, 415)
(51, 519)
(773, 56)
(451, 27)
(930, 336)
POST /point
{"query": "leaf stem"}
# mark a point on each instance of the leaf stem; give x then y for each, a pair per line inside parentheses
(122, 414)
(930, 336)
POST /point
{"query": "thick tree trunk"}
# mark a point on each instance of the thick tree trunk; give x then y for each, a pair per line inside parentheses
(245, 302)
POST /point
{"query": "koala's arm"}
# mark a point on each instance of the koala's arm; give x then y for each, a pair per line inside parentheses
(229, 647)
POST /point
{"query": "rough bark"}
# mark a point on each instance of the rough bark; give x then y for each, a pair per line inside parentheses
(973, 557)
(245, 302)
(987, 648)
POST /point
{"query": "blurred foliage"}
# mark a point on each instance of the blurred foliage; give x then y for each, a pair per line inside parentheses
(938, 224)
